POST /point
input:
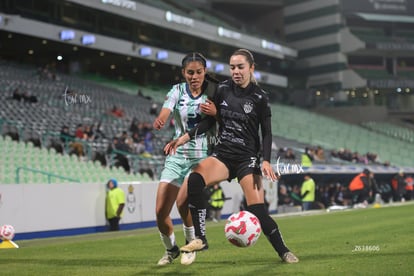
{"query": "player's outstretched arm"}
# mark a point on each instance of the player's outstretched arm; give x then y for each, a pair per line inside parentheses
(159, 122)
(171, 147)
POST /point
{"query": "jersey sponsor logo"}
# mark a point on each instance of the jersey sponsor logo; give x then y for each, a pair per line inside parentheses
(233, 115)
(248, 107)
(186, 102)
(224, 103)
(202, 213)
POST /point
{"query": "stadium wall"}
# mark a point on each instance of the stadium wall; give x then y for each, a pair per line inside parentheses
(50, 210)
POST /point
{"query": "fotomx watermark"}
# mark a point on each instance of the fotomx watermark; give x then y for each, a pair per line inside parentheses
(72, 97)
(287, 168)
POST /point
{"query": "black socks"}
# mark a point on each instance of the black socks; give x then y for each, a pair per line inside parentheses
(197, 204)
(269, 228)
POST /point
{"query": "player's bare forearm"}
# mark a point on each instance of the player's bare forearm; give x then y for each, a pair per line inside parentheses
(171, 147)
(159, 122)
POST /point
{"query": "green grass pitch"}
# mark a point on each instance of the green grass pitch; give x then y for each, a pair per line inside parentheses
(374, 241)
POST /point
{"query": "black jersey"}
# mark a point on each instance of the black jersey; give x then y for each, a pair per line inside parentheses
(241, 111)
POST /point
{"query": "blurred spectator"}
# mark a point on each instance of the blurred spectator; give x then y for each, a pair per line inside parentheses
(117, 112)
(319, 154)
(295, 195)
(154, 109)
(123, 138)
(289, 154)
(29, 98)
(139, 93)
(46, 73)
(355, 157)
(88, 133)
(148, 140)
(138, 146)
(12, 132)
(79, 133)
(323, 195)
(409, 188)
(398, 186)
(68, 141)
(118, 150)
(17, 95)
(99, 133)
(130, 144)
(280, 153)
(115, 203)
(307, 158)
(25, 97)
(307, 192)
(133, 128)
(359, 188)
(36, 141)
(341, 195)
(385, 191)
(216, 202)
(100, 157)
(135, 137)
(373, 187)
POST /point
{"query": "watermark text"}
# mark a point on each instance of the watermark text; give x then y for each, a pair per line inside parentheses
(75, 98)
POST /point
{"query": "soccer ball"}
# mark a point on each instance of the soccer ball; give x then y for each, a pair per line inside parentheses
(242, 229)
(7, 232)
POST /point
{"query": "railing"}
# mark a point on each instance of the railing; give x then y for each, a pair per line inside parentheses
(49, 175)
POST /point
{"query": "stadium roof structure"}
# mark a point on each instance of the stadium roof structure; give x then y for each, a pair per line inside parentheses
(187, 24)
(99, 34)
(386, 17)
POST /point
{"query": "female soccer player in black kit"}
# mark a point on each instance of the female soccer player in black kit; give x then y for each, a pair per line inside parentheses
(242, 107)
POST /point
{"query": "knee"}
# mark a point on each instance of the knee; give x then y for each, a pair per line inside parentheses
(181, 204)
(162, 212)
(196, 184)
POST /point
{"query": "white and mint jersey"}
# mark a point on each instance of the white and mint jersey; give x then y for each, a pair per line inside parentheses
(186, 113)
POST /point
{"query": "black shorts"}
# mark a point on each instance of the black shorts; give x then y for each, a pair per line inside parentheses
(240, 167)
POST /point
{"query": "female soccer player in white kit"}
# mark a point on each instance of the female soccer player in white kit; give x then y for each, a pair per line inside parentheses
(183, 101)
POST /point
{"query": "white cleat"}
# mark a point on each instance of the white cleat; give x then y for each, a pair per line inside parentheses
(194, 245)
(290, 258)
(168, 257)
(188, 258)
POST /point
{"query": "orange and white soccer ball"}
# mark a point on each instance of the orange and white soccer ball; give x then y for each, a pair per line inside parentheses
(242, 229)
(7, 232)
